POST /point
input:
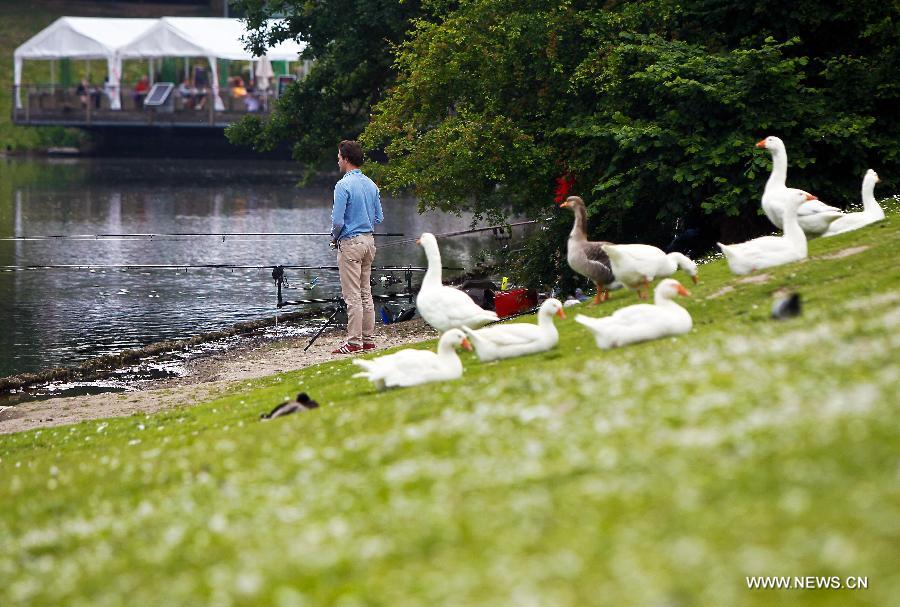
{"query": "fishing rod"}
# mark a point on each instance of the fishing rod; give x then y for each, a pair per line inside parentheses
(339, 300)
(110, 237)
(167, 235)
(496, 229)
(213, 266)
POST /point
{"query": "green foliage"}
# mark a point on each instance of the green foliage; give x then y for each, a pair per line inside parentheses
(653, 108)
(673, 134)
(658, 474)
(18, 23)
(350, 43)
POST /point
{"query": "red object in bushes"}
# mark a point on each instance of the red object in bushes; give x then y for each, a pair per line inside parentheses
(564, 185)
(507, 303)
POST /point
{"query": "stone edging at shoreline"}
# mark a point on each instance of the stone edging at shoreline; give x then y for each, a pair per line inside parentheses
(103, 366)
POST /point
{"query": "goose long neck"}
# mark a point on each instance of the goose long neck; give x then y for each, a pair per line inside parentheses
(678, 260)
(778, 177)
(446, 352)
(434, 271)
(792, 230)
(545, 321)
(664, 301)
(446, 348)
(870, 205)
(579, 228)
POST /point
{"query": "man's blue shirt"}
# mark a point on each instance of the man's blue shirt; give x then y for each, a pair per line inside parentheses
(357, 206)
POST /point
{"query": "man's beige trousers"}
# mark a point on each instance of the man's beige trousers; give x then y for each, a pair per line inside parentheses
(354, 260)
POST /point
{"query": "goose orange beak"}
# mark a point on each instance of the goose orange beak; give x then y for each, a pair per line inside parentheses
(811, 196)
(683, 291)
(761, 143)
(466, 345)
(560, 313)
(418, 241)
(564, 204)
(695, 278)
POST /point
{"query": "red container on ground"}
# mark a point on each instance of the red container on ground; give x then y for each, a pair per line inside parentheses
(514, 301)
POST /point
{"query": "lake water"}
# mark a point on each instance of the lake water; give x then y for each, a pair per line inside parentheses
(60, 317)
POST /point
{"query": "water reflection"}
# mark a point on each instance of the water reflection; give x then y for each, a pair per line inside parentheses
(61, 317)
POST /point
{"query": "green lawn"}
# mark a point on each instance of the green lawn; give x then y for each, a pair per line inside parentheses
(659, 474)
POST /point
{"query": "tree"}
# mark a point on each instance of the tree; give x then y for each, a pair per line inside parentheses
(350, 43)
(652, 108)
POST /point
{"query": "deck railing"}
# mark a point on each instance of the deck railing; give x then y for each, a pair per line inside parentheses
(69, 106)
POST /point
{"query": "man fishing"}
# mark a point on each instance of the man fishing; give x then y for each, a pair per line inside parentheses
(357, 208)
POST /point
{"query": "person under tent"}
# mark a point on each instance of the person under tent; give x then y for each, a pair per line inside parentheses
(140, 92)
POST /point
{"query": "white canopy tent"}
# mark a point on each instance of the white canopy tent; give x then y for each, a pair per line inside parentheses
(212, 38)
(117, 39)
(81, 38)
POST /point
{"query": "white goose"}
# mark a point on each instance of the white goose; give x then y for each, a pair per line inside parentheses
(768, 251)
(813, 216)
(642, 322)
(636, 265)
(871, 212)
(413, 367)
(443, 307)
(508, 341)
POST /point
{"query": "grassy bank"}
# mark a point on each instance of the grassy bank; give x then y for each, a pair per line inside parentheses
(659, 474)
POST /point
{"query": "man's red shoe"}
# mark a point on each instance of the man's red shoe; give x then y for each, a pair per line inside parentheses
(348, 348)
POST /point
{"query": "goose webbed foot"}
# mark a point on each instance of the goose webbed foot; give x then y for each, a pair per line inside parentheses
(601, 296)
(643, 290)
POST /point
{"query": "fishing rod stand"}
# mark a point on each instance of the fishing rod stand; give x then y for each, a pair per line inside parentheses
(278, 277)
(337, 311)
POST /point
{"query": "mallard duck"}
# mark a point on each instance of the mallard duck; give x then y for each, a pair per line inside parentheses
(813, 216)
(518, 339)
(637, 265)
(443, 307)
(768, 251)
(584, 256)
(413, 367)
(302, 403)
(871, 212)
(787, 305)
(642, 322)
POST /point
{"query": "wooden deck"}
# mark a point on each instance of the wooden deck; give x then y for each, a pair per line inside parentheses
(63, 108)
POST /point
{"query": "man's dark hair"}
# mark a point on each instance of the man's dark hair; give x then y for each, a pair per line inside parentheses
(351, 152)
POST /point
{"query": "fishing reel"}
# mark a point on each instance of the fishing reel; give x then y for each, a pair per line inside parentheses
(280, 281)
(278, 276)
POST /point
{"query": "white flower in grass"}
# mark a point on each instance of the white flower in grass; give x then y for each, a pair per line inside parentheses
(248, 582)
(218, 523)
